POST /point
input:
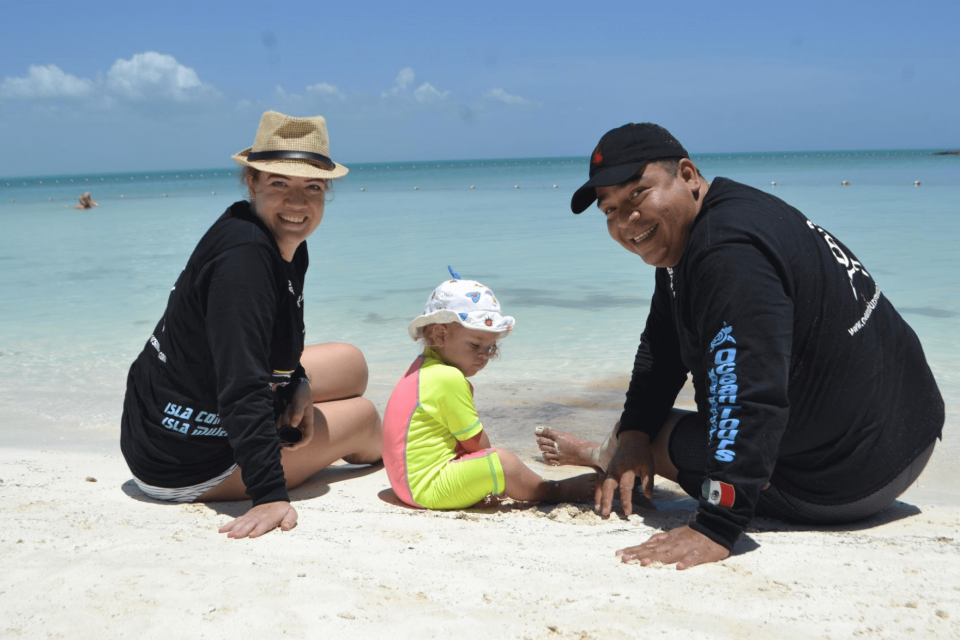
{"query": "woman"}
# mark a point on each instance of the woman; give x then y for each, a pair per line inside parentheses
(226, 368)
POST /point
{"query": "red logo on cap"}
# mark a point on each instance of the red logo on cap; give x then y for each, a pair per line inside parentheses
(597, 157)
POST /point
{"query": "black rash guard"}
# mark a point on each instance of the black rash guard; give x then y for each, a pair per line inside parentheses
(807, 375)
(207, 387)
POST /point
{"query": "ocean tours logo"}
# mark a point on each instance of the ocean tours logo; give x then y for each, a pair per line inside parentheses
(724, 423)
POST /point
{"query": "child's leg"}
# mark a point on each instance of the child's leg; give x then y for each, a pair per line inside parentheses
(523, 484)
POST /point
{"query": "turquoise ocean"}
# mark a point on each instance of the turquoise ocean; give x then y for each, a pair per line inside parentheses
(80, 291)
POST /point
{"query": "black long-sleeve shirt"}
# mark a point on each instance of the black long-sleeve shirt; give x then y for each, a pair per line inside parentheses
(807, 375)
(205, 391)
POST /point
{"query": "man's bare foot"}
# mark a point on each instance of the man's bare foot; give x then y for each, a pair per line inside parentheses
(560, 448)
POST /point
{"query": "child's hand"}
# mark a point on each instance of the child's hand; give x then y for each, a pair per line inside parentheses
(476, 443)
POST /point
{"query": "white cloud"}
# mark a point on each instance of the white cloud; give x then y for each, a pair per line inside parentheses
(326, 91)
(145, 77)
(497, 93)
(405, 78)
(287, 101)
(320, 96)
(155, 75)
(46, 82)
(427, 94)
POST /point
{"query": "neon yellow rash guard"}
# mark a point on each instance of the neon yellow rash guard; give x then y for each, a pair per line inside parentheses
(429, 411)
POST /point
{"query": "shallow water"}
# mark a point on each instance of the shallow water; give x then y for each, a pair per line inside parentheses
(80, 291)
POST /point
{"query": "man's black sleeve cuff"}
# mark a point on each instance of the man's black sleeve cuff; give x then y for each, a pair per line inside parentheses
(721, 531)
(649, 427)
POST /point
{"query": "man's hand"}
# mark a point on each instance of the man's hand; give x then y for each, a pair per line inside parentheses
(262, 519)
(299, 413)
(686, 547)
(632, 458)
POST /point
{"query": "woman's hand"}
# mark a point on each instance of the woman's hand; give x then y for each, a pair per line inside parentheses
(262, 519)
(299, 413)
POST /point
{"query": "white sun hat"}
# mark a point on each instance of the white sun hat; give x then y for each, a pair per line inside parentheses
(468, 302)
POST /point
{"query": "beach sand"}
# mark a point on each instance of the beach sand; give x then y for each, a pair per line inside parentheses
(98, 559)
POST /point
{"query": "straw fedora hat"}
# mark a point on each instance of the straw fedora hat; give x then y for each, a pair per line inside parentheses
(293, 147)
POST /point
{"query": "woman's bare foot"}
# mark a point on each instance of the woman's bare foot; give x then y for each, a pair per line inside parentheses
(359, 458)
(561, 448)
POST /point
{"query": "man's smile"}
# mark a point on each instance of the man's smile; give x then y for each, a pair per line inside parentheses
(646, 234)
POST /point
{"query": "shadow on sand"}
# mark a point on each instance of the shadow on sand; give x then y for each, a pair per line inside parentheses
(669, 509)
(314, 487)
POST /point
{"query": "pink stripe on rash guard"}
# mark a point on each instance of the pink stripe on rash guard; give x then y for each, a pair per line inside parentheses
(396, 423)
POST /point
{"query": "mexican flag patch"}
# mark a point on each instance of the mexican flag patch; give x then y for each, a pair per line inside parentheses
(718, 493)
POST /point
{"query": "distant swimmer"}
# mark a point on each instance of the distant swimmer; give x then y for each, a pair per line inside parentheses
(86, 201)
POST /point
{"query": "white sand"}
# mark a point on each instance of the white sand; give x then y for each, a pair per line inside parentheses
(100, 560)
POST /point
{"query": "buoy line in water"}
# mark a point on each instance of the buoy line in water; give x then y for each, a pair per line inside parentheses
(363, 189)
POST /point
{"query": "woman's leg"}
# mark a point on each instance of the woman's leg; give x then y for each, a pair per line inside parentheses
(348, 429)
(336, 370)
(345, 425)
(342, 429)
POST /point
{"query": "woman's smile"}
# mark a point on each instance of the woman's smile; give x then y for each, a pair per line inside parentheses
(290, 206)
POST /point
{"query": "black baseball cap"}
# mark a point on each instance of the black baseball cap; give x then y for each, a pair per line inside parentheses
(622, 152)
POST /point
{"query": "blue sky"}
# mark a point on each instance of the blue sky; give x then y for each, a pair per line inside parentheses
(104, 86)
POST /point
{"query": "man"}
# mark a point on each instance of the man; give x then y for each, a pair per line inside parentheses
(815, 403)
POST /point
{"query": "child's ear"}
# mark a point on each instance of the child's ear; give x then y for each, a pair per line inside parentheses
(435, 335)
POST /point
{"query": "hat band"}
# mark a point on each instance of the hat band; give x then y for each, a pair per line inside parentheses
(290, 155)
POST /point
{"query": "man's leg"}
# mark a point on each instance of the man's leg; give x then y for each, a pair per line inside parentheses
(564, 448)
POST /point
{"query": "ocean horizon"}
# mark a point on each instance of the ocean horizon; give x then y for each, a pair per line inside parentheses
(847, 153)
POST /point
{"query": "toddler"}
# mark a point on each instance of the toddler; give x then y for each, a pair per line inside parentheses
(435, 450)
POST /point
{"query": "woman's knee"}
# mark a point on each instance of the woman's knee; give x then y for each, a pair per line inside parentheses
(336, 370)
(348, 419)
(370, 421)
(368, 433)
